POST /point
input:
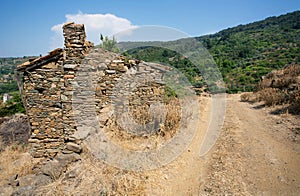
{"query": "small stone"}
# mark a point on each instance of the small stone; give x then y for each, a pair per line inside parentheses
(38, 154)
(83, 132)
(33, 140)
(113, 66)
(69, 76)
(70, 66)
(110, 71)
(34, 123)
(72, 174)
(73, 147)
(53, 169)
(67, 151)
(63, 97)
(102, 66)
(132, 62)
(118, 61)
(34, 180)
(68, 158)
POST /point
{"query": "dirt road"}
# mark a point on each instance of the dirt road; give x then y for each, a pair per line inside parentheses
(254, 154)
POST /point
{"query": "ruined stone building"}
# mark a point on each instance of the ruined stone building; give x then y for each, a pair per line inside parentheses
(64, 91)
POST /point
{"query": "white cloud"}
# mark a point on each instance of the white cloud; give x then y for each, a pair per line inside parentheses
(106, 24)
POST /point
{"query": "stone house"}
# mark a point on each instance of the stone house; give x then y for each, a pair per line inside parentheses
(57, 98)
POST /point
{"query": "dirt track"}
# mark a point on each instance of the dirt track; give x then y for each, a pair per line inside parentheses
(254, 155)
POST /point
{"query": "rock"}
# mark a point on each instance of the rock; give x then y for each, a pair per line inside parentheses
(72, 174)
(74, 147)
(13, 181)
(64, 98)
(34, 180)
(113, 66)
(67, 151)
(34, 123)
(132, 62)
(110, 71)
(53, 169)
(105, 114)
(83, 132)
(70, 66)
(102, 66)
(36, 131)
(118, 61)
(69, 76)
(38, 153)
(24, 191)
(68, 158)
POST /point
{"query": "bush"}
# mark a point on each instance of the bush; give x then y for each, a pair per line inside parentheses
(109, 44)
(272, 96)
(295, 105)
(248, 97)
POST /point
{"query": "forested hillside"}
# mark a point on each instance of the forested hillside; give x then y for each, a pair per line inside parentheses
(243, 53)
(9, 85)
(7, 66)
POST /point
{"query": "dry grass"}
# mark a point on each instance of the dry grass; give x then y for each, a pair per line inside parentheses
(272, 96)
(295, 105)
(279, 87)
(173, 118)
(249, 97)
(93, 177)
(292, 70)
(280, 78)
(140, 114)
(14, 160)
(86, 177)
(2, 145)
(166, 130)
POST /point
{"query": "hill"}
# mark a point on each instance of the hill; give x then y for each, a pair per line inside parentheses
(9, 85)
(243, 54)
(7, 67)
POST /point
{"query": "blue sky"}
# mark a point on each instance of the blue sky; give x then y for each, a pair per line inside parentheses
(32, 27)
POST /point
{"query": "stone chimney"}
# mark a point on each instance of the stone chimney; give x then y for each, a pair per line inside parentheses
(76, 44)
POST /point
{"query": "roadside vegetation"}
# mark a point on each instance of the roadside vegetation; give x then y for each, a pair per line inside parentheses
(279, 87)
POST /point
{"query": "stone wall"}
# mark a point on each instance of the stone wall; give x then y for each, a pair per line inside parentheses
(47, 93)
(44, 108)
(107, 83)
(63, 96)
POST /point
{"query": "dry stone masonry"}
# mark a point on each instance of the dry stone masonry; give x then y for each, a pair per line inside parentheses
(64, 91)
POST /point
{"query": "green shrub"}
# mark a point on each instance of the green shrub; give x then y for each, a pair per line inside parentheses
(14, 105)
